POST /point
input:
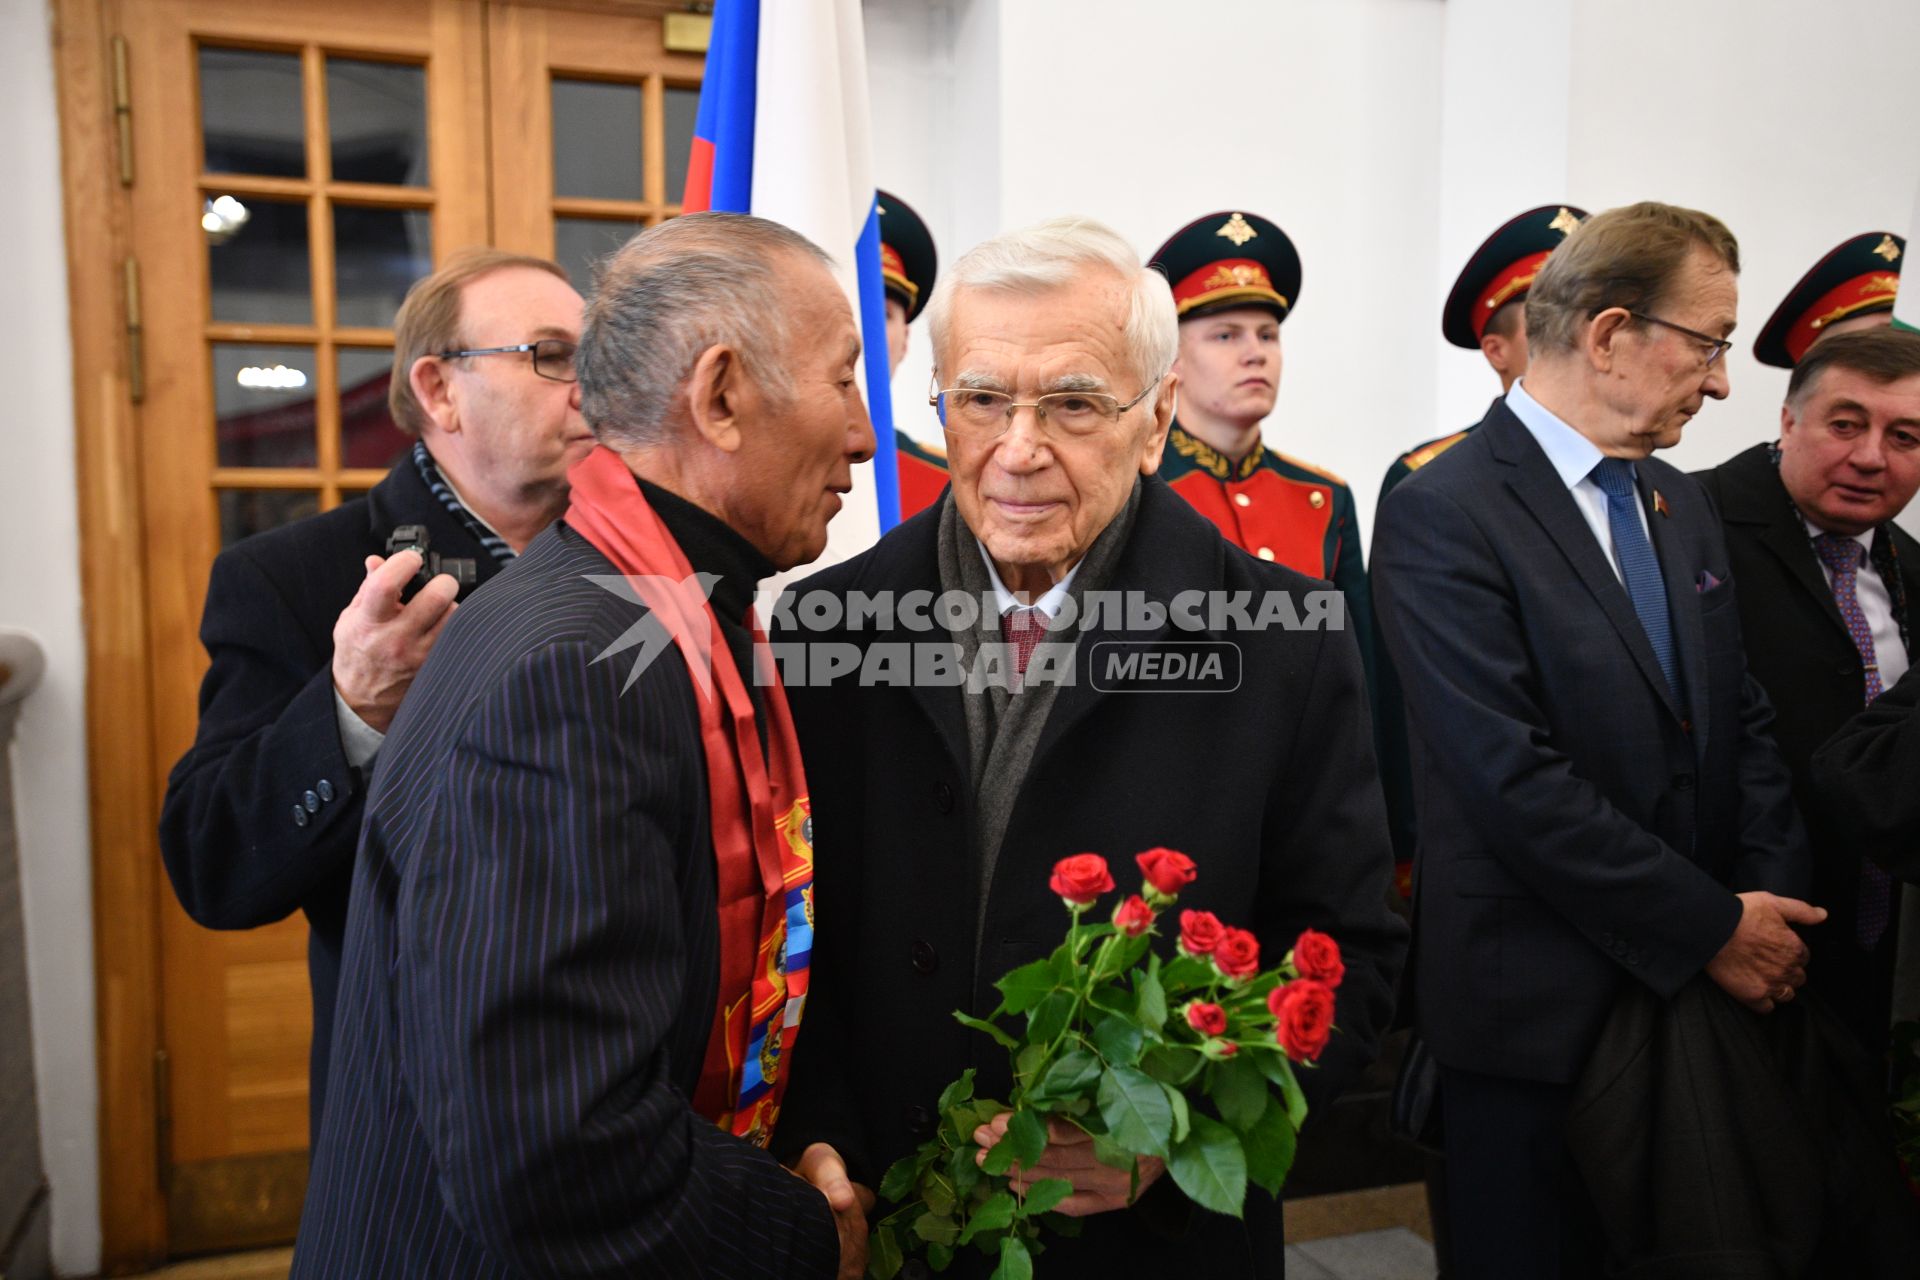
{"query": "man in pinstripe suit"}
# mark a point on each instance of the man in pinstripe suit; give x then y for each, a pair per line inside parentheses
(535, 1070)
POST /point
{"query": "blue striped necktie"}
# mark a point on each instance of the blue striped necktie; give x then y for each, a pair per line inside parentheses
(1638, 565)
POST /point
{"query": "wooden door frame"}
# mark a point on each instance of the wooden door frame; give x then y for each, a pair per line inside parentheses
(122, 807)
(123, 800)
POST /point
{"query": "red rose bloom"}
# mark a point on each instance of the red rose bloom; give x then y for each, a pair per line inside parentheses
(1081, 878)
(1238, 955)
(1200, 932)
(1133, 917)
(1207, 1019)
(1166, 872)
(1317, 956)
(1305, 1013)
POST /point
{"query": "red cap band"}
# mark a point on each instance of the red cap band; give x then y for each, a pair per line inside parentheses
(1225, 279)
(1504, 288)
(1875, 289)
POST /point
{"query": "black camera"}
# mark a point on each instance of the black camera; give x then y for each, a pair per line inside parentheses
(413, 537)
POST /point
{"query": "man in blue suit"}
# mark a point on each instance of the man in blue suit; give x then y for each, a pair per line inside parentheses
(577, 946)
(1599, 801)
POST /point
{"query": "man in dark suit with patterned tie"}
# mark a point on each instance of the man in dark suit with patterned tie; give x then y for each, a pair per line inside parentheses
(1599, 803)
(1827, 586)
(582, 918)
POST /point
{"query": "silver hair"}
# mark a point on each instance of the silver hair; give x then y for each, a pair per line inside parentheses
(664, 298)
(1048, 256)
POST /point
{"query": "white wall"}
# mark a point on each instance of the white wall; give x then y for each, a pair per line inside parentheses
(1323, 116)
(1389, 138)
(1497, 157)
(40, 590)
(1786, 119)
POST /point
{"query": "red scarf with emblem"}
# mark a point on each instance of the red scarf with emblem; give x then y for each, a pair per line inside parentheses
(760, 813)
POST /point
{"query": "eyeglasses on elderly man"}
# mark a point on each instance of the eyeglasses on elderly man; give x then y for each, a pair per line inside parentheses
(985, 413)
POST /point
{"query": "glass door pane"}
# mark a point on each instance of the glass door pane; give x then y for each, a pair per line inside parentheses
(592, 125)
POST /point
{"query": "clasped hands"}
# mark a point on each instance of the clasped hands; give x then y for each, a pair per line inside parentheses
(822, 1166)
(1765, 961)
(1097, 1187)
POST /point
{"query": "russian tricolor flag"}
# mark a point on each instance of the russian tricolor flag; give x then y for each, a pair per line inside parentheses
(784, 132)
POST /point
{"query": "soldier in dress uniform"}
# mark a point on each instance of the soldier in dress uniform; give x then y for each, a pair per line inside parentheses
(908, 265)
(1236, 278)
(1487, 310)
(1853, 287)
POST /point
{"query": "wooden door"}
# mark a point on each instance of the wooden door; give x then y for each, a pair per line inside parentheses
(298, 165)
(287, 168)
(592, 125)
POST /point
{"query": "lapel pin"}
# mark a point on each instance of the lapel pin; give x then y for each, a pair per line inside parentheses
(1660, 503)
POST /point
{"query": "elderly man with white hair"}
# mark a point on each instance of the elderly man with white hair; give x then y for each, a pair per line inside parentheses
(940, 806)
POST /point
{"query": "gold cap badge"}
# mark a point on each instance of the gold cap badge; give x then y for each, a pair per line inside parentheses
(1887, 248)
(1564, 222)
(1238, 230)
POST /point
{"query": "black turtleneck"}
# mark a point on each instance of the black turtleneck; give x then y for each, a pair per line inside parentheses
(711, 545)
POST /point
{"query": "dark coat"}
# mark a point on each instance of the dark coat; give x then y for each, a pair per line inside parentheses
(1721, 1144)
(1578, 827)
(531, 970)
(1799, 650)
(1270, 789)
(1868, 774)
(268, 745)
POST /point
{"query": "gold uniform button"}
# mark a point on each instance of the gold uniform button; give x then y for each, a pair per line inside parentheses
(1242, 500)
(1316, 499)
(1265, 553)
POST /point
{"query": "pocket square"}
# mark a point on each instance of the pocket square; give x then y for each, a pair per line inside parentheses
(1706, 581)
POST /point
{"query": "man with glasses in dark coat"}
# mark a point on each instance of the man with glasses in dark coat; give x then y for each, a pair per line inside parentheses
(315, 631)
(940, 810)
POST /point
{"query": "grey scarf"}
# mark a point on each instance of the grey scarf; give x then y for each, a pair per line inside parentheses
(1004, 727)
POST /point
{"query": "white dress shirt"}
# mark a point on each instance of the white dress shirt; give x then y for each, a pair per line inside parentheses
(360, 740)
(1573, 457)
(1049, 604)
(1876, 603)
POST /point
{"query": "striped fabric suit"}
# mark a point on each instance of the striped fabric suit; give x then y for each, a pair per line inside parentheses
(530, 973)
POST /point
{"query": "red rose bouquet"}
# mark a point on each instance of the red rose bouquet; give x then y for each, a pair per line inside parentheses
(1189, 1060)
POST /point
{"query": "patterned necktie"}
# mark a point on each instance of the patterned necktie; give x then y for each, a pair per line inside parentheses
(1023, 627)
(1842, 555)
(1638, 565)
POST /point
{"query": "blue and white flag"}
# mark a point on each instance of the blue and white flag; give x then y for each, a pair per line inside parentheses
(784, 132)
